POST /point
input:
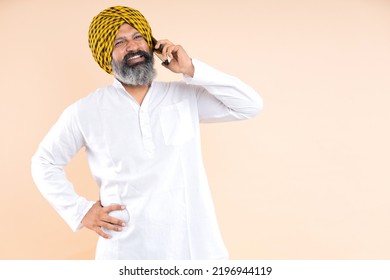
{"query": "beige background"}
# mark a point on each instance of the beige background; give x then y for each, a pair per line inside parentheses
(307, 179)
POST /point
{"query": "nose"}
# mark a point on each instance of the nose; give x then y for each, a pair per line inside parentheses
(131, 46)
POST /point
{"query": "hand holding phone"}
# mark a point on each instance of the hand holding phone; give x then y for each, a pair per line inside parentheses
(178, 61)
(158, 52)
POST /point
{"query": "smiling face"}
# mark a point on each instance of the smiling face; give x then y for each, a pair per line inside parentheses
(132, 60)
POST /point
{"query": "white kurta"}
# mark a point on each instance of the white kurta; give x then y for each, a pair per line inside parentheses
(148, 158)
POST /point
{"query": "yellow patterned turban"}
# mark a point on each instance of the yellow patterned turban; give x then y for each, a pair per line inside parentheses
(104, 27)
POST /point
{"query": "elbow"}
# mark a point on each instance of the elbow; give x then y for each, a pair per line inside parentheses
(254, 108)
(258, 105)
(40, 169)
(36, 169)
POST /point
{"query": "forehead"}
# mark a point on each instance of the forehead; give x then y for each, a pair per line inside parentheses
(125, 29)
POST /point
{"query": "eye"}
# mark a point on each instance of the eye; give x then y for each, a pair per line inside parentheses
(118, 43)
(138, 37)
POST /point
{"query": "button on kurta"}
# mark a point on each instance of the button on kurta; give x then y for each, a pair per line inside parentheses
(146, 131)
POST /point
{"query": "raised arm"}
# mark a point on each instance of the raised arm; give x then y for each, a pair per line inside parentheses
(224, 97)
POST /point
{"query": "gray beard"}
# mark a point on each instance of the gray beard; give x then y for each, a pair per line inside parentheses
(135, 75)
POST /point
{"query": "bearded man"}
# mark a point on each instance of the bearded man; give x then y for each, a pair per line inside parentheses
(142, 140)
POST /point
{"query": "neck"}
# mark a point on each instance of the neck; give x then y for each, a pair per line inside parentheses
(137, 92)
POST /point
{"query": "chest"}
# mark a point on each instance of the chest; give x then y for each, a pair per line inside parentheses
(129, 133)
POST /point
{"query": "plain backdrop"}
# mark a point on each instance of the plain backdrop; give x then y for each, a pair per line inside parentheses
(306, 179)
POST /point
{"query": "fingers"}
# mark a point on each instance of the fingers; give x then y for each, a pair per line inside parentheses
(169, 50)
(107, 226)
(164, 42)
(113, 207)
(109, 222)
(163, 46)
(99, 218)
(179, 61)
(100, 232)
(110, 214)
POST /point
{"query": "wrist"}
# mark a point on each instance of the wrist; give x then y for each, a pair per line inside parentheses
(190, 70)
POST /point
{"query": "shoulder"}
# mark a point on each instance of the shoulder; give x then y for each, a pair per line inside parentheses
(87, 106)
(176, 87)
(90, 101)
(164, 93)
(94, 96)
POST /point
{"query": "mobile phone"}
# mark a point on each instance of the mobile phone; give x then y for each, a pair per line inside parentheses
(158, 52)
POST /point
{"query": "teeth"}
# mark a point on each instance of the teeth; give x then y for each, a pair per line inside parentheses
(134, 57)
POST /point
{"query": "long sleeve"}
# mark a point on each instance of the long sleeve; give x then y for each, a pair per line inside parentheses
(225, 97)
(58, 147)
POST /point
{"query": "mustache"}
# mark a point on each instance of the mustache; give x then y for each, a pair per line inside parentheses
(140, 53)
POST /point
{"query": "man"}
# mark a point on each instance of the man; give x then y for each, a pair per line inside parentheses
(143, 146)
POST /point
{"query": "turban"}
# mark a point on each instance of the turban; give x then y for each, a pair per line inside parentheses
(104, 27)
